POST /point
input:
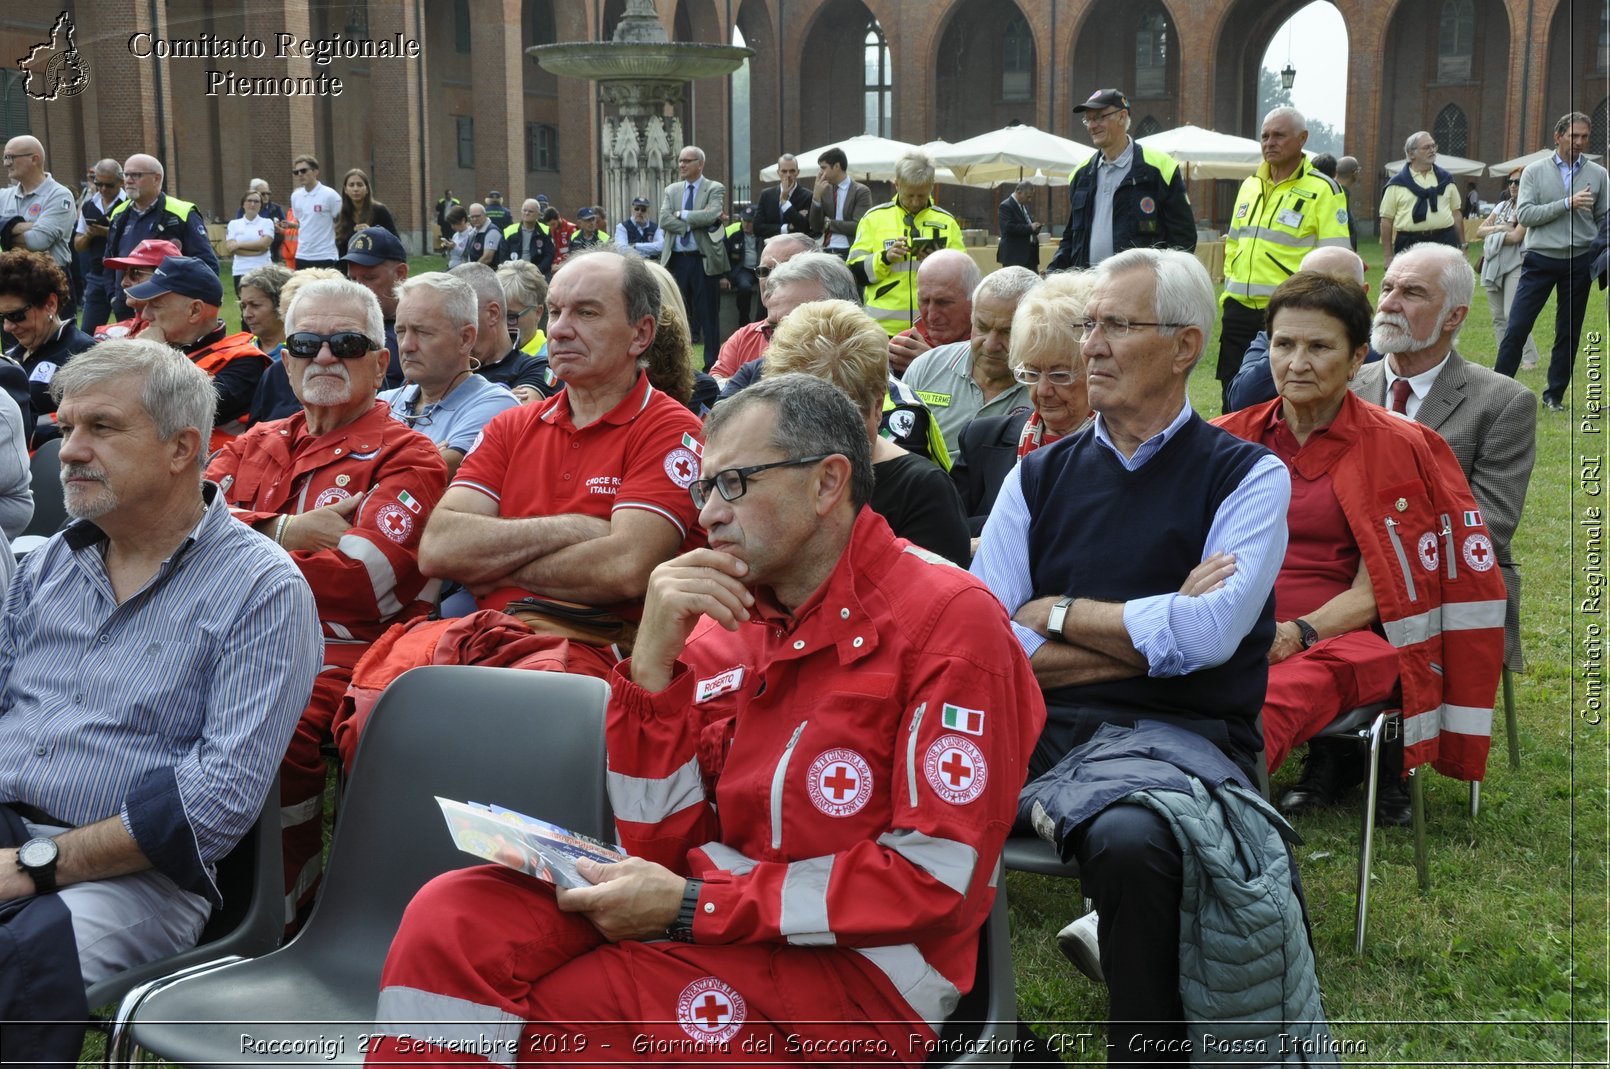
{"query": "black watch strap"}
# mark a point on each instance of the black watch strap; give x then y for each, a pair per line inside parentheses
(1306, 630)
(681, 929)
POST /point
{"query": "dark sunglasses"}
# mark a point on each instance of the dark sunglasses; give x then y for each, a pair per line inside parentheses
(344, 344)
(17, 315)
(300, 170)
(107, 185)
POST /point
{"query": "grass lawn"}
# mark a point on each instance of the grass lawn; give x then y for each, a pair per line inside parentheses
(1509, 948)
(1505, 960)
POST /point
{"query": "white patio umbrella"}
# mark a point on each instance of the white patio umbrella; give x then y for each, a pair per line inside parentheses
(1011, 154)
(1452, 164)
(1208, 153)
(1520, 162)
(872, 159)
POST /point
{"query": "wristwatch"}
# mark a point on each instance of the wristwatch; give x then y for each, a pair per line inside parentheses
(37, 857)
(681, 929)
(1306, 630)
(1059, 616)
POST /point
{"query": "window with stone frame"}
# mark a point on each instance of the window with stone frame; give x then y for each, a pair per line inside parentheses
(1451, 131)
(878, 81)
(1017, 59)
(1151, 54)
(541, 146)
(1456, 40)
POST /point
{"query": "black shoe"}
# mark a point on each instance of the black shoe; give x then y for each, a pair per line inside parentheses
(1392, 792)
(1318, 787)
(1552, 404)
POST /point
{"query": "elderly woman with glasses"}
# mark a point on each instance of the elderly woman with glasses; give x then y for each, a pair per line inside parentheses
(33, 293)
(1045, 357)
(1501, 251)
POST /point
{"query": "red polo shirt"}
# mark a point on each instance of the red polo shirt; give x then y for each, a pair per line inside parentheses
(1321, 555)
(642, 454)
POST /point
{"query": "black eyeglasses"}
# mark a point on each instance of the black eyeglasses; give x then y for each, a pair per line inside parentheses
(733, 483)
(764, 270)
(137, 175)
(17, 315)
(344, 344)
(107, 185)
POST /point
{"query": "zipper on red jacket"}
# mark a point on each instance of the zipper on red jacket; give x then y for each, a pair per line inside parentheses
(777, 787)
(1447, 546)
(911, 752)
(1403, 558)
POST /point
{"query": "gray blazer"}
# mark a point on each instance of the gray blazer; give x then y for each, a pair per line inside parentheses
(1490, 422)
(704, 221)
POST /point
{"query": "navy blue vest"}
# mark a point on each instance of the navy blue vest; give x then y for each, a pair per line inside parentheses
(638, 234)
(1098, 531)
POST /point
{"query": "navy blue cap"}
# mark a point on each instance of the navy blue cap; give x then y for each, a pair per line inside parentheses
(375, 245)
(585, 213)
(639, 202)
(1103, 98)
(184, 275)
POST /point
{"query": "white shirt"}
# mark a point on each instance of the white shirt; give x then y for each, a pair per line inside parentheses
(836, 240)
(243, 230)
(316, 210)
(1419, 386)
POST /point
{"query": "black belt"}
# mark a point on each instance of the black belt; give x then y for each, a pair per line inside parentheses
(35, 815)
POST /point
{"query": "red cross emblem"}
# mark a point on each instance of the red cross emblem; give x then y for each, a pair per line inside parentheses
(955, 768)
(1478, 552)
(839, 782)
(710, 1011)
(681, 466)
(395, 523)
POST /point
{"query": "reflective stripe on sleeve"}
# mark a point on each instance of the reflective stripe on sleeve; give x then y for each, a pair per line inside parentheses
(382, 577)
(803, 917)
(649, 801)
(1474, 615)
(454, 1024)
(726, 858)
(946, 860)
(925, 990)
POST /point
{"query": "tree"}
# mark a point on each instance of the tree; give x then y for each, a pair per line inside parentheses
(1322, 136)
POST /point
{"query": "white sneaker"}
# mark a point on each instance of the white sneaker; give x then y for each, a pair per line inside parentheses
(1080, 946)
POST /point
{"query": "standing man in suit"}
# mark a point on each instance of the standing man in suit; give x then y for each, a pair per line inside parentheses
(1489, 422)
(837, 203)
(693, 214)
(1562, 201)
(1020, 234)
(785, 209)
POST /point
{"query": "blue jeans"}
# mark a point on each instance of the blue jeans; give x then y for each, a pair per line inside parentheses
(1540, 275)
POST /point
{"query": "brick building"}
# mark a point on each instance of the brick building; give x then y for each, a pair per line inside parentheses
(473, 112)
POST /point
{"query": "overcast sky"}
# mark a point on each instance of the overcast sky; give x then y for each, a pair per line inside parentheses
(1319, 53)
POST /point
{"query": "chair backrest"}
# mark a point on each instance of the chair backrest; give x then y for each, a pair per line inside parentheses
(44, 475)
(984, 1023)
(532, 741)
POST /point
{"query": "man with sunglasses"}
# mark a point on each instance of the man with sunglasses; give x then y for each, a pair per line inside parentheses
(181, 309)
(749, 342)
(89, 241)
(315, 206)
(346, 490)
(1123, 197)
(861, 712)
(147, 213)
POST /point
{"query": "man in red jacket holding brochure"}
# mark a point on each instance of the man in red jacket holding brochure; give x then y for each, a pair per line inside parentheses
(815, 753)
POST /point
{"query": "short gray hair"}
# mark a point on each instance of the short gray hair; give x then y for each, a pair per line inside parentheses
(968, 275)
(1412, 140)
(825, 270)
(812, 416)
(805, 242)
(695, 149)
(522, 281)
(458, 296)
(357, 298)
(1183, 290)
(915, 169)
(1286, 111)
(484, 281)
(1006, 283)
(174, 392)
(1454, 275)
(109, 166)
(269, 279)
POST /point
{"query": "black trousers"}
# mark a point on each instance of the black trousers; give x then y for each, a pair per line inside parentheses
(702, 294)
(1570, 280)
(1238, 326)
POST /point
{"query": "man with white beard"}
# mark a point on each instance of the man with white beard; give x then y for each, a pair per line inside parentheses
(346, 490)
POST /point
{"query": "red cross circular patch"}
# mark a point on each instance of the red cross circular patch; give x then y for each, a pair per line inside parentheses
(395, 523)
(329, 496)
(682, 467)
(839, 782)
(710, 1011)
(1428, 551)
(955, 769)
(1478, 551)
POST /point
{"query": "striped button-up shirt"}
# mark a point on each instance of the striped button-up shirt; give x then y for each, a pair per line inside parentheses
(172, 709)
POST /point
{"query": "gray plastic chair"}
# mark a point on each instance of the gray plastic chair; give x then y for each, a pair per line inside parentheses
(984, 1024)
(533, 741)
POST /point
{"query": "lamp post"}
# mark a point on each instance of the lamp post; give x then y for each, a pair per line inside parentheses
(1288, 76)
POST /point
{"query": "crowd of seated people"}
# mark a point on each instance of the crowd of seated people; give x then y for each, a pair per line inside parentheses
(602, 497)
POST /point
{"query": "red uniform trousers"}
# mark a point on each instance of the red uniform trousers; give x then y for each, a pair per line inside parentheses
(1312, 688)
(487, 965)
(302, 777)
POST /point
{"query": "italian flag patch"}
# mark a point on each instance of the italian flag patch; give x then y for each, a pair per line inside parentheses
(970, 721)
(1473, 518)
(693, 445)
(408, 501)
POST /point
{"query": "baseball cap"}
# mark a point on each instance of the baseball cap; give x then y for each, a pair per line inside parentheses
(184, 275)
(639, 202)
(493, 193)
(1103, 98)
(747, 215)
(585, 213)
(374, 245)
(147, 253)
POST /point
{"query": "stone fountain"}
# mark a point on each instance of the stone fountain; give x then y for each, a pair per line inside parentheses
(640, 74)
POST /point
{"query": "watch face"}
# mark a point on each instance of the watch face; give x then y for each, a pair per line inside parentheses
(36, 853)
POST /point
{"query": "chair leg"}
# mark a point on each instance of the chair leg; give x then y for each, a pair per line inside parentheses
(1367, 831)
(1417, 806)
(1475, 798)
(1510, 724)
